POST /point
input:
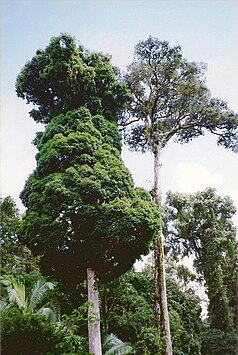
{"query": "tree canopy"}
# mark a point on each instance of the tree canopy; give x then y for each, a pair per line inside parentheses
(84, 213)
(82, 207)
(65, 76)
(171, 99)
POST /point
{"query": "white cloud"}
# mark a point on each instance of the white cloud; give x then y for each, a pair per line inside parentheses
(190, 177)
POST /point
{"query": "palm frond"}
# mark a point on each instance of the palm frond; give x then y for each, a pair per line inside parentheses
(116, 346)
(4, 306)
(49, 314)
(16, 291)
(38, 292)
(6, 281)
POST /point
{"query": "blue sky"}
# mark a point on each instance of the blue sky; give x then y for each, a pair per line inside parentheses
(207, 31)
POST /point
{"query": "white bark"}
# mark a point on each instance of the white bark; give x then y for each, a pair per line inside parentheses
(161, 295)
(94, 332)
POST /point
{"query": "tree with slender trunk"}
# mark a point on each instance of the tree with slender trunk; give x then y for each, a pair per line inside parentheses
(170, 99)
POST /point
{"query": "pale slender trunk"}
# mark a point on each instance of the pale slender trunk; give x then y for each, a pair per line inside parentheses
(94, 333)
(161, 296)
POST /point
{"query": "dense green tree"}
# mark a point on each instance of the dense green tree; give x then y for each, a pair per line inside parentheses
(171, 100)
(10, 220)
(65, 76)
(16, 258)
(218, 342)
(71, 167)
(201, 225)
(81, 201)
(83, 212)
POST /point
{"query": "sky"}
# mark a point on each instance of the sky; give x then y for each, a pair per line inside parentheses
(206, 30)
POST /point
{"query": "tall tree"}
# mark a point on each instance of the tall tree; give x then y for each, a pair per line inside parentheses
(83, 212)
(171, 100)
(61, 78)
(201, 225)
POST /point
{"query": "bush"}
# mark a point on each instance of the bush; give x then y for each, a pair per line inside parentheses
(31, 334)
(217, 342)
(24, 334)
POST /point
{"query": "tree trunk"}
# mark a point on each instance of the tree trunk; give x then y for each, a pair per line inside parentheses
(161, 296)
(94, 333)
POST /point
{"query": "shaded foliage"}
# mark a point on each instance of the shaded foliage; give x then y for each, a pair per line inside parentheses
(27, 334)
(218, 342)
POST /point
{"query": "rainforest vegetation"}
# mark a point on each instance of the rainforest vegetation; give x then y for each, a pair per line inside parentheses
(69, 284)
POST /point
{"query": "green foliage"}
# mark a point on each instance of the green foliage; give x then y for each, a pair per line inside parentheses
(72, 328)
(129, 302)
(217, 342)
(28, 314)
(201, 225)
(16, 296)
(32, 334)
(73, 323)
(129, 312)
(64, 77)
(112, 345)
(10, 220)
(82, 208)
(172, 100)
(27, 334)
(185, 322)
(73, 345)
(16, 258)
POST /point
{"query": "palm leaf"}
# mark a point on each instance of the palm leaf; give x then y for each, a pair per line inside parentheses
(16, 291)
(49, 313)
(4, 306)
(116, 346)
(38, 292)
